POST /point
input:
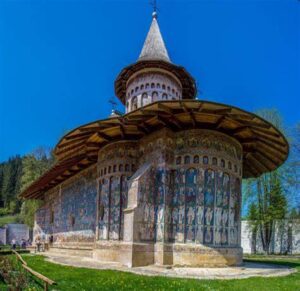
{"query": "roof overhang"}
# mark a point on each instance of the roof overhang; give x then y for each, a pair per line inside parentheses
(188, 84)
(264, 147)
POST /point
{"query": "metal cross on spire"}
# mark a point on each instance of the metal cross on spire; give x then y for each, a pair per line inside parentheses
(113, 103)
(153, 3)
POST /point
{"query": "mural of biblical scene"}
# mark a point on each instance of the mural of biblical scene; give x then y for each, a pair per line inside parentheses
(190, 204)
(199, 234)
(233, 237)
(114, 218)
(123, 202)
(208, 235)
(178, 213)
(160, 189)
(200, 184)
(224, 236)
(218, 235)
(104, 209)
(209, 197)
(147, 207)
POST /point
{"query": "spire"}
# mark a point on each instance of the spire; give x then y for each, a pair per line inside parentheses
(154, 47)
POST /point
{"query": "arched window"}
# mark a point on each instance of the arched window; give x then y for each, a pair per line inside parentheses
(144, 99)
(229, 166)
(142, 87)
(205, 160)
(134, 104)
(109, 169)
(114, 168)
(147, 86)
(121, 168)
(173, 91)
(214, 161)
(168, 88)
(196, 159)
(158, 86)
(187, 159)
(152, 85)
(132, 91)
(154, 96)
(127, 168)
(176, 94)
(164, 96)
(163, 86)
(222, 163)
(136, 88)
(178, 160)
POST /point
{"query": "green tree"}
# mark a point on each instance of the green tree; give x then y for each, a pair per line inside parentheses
(267, 193)
(34, 165)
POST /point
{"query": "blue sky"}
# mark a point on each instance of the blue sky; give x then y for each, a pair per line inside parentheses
(59, 59)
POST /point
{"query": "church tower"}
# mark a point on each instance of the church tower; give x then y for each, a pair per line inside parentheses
(153, 77)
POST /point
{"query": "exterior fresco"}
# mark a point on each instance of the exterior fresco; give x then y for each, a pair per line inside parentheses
(190, 193)
(68, 214)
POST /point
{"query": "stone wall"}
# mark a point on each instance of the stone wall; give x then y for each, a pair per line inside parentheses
(17, 232)
(285, 239)
(3, 235)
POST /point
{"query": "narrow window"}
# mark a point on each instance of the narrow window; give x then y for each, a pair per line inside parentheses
(187, 159)
(222, 163)
(121, 168)
(152, 85)
(196, 159)
(178, 160)
(134, 104)
(142, 87)
(154, 96)
(164, 96)
(127, 168)
(214, 161)
(147, 86)
(158, 86)
(205, 160)
(168, 88)
(144, 99)
(163, 86)
(115, 168)
(229, 166)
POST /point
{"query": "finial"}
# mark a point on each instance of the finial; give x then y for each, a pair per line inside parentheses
(154, 5)
(113, 103)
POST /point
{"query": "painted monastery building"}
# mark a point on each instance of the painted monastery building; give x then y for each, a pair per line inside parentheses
(160, 184)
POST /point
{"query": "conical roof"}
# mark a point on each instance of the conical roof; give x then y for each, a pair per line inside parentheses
(154, 46)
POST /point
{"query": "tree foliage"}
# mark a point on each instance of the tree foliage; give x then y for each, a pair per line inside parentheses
(267, 193)
(15, 176)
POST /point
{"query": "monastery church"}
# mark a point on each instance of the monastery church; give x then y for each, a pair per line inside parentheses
(160, 184)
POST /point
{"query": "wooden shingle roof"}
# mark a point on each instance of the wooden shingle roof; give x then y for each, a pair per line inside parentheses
(264, 146)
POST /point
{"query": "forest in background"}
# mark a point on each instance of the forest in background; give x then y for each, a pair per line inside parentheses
(16, 174)
(272, 196)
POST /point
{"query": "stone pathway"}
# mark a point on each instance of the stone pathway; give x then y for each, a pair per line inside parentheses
(245, 271)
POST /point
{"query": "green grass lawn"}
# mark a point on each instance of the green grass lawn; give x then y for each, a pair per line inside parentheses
(70, 278)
